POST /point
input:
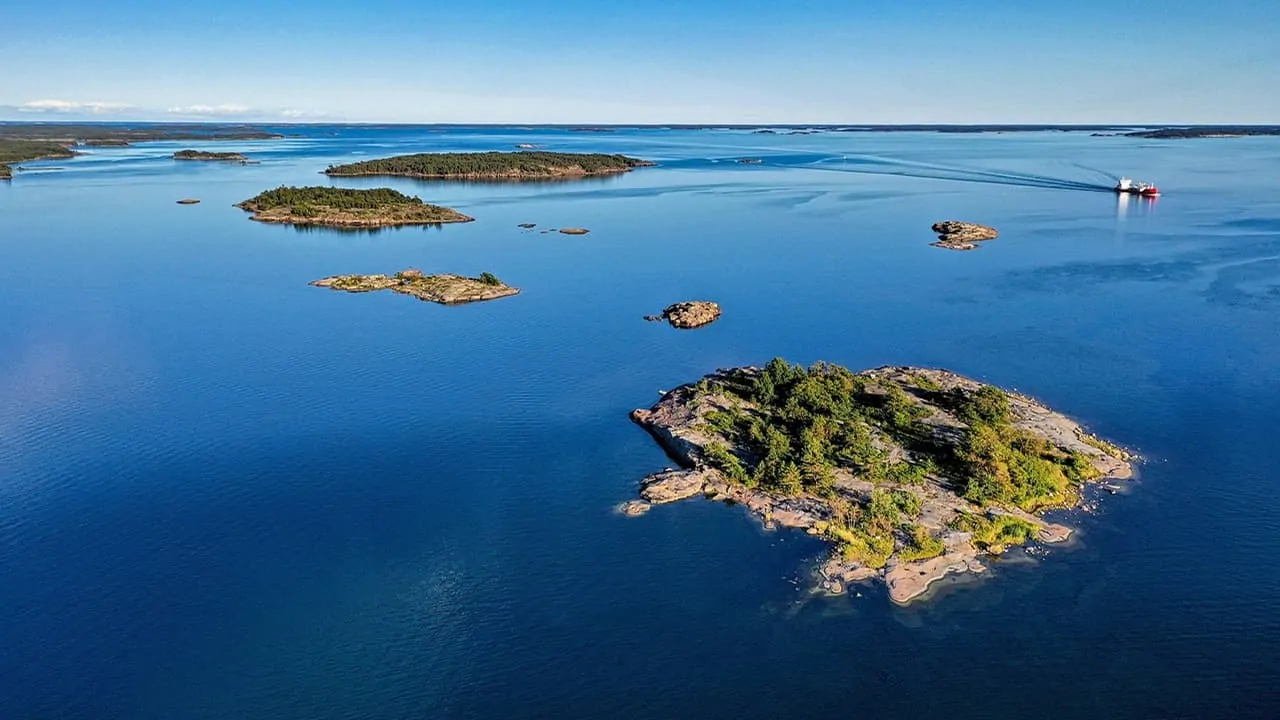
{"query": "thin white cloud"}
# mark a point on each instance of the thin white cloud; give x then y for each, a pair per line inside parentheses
(224, 109)
(296, 114)
(50, 105)
(197, 112)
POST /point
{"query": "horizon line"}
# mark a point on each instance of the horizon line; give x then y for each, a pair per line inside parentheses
(796, 125)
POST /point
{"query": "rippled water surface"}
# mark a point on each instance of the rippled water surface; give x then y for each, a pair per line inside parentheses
(226, 494)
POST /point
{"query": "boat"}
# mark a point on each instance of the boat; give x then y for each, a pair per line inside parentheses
(1127, 186)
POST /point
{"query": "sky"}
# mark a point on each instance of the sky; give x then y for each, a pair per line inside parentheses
(643, 61)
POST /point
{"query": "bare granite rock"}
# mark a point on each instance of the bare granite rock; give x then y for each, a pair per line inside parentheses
(671, 485)
(957, 235)
(444, 289)
(634, 508)
(692, 314)
(574, 231)
(188, 201)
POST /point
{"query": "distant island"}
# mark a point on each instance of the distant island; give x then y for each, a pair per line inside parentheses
(115, 134)
(443, 289)
(341, 207)
(1206, 131)
(524, 165)
(910, 473)
(16, 151)
(20, 142)
(213, 156)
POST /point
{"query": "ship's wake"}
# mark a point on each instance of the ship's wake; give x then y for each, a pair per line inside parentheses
(872, 165)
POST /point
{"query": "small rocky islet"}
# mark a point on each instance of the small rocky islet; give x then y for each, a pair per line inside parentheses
(445, 289)
(911, 474)
(959, 235)
(689, 314)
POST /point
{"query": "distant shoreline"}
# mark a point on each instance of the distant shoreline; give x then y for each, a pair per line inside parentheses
(188, 131)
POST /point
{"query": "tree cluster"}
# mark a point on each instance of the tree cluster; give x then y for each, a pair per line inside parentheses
(1004, 465)
(805, 423)
(328, 198)
(205, 155)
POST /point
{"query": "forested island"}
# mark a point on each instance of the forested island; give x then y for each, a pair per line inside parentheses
(116, 135)
(20, 142)
(910, 473)
(16, 151)
(444, 289)
(523, 165)
(342, 207)
(211, 156)
(1207, 131)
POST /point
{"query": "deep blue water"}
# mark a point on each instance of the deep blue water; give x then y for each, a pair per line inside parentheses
(225, 494)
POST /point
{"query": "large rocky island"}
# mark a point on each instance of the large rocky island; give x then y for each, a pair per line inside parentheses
(527, 165)
(444, 289)
(346, 208)
(910, 473)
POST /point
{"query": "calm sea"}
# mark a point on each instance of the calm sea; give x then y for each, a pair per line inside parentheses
(226, 494)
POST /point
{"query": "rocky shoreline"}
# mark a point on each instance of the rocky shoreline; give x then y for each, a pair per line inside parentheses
(687, 423)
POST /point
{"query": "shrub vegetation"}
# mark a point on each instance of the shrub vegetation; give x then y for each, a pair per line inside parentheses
(1003, 465)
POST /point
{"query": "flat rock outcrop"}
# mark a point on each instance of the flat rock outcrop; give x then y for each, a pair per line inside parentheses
(444, 289)
(912, 474)
(957, 235)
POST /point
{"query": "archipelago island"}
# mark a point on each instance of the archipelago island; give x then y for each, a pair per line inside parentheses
(444, 289)
(20, 142)
(15, 151)
(910, 474)
(211, 156)
(346, 208)
(524, 165)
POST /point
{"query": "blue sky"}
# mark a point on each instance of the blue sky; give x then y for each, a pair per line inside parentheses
(579, 61)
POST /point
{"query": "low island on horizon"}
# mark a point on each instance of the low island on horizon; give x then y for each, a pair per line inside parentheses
(511, 166)
(211, 156)
(911, 474)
